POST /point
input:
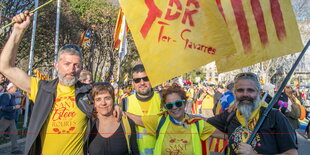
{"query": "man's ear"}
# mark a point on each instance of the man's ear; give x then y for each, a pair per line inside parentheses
(56, 66)
(132, 85)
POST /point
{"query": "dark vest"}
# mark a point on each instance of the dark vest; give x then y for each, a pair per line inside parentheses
(41, 110)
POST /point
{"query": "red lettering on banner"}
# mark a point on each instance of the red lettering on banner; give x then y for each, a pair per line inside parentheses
(162, 37)
(196, 46)
(260, 21)
(277, 19)
(189, 13)
(177, 14)
(242, 24)
(153, 13)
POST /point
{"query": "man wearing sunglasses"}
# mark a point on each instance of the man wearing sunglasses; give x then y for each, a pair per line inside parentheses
(275, 136)
(145, 101)
(61, 110)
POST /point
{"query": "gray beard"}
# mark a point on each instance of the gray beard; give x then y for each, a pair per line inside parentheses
(66, 82)
(246, 109)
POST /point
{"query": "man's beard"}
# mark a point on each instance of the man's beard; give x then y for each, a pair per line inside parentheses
(144, 92)
(246, 109)
(66, 82)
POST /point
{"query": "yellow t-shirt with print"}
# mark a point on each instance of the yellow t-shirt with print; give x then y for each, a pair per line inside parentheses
(63, 131)
(177, 140)
(145, 106)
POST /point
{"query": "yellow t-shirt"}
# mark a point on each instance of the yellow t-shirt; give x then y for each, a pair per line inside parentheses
(65, 125)
(208, 102)
(177, 140)
(145, 106)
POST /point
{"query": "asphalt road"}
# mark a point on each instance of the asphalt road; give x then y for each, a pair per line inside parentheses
(303, 145)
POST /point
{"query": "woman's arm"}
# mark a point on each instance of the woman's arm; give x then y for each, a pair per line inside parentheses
(136, 119)
(219, 134)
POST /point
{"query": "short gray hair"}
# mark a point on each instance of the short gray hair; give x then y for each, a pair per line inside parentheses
(69, 49)
(248, 76)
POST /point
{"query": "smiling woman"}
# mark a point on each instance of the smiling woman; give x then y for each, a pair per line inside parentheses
(109, 136)
(176, 132)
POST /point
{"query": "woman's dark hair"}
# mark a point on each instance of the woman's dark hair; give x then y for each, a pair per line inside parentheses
(101, 87)
(173, 89)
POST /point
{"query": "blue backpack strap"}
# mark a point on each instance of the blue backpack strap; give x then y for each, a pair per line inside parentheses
(197, 125)
(160, 124)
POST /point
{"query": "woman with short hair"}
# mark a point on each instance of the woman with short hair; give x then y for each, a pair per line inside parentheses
(109, 136)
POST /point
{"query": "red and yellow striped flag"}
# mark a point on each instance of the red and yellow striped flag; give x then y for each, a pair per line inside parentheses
(120, 27)
(84, 37)
(261, 30)
(218, 144)
(39, 75)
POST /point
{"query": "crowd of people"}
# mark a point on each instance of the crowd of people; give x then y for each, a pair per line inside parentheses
(74, 115)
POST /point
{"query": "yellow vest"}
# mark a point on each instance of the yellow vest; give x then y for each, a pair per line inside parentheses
(145, 141)
(127, 131)
(197, 148)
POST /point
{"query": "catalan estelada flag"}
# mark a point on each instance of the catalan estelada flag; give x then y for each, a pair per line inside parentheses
(84, 37)
(260, 29)
(120, 29)
(176, 36)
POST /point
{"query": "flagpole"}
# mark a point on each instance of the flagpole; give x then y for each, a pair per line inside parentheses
(36, 8)
(34, 29)
(122, 47)
(57, 36)
(276, 97)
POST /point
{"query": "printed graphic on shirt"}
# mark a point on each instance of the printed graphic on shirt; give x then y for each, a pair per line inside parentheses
(241, 135)
(63, 112)
(177, 146)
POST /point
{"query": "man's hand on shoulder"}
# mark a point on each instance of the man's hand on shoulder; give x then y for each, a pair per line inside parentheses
(117, 112)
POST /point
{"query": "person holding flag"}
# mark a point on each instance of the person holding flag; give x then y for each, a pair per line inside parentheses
(61, 106)
(275, 136)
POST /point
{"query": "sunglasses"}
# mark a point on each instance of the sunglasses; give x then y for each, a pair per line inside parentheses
(177, 104)
(137, 80)
(69, 46)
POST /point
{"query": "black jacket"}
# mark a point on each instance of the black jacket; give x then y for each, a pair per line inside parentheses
(46, 94)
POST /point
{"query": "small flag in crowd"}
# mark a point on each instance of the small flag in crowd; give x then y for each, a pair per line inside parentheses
(85, 37)
(39, 75)
(120, 30)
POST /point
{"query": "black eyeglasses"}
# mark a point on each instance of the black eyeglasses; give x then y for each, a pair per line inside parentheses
(137, 80)
(248, 74)
(177, 104)
(68, 46)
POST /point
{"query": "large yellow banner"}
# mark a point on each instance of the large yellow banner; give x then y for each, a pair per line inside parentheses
(176, 36)
(260, 29)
